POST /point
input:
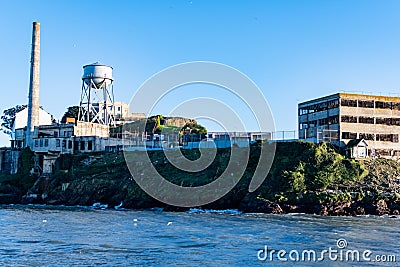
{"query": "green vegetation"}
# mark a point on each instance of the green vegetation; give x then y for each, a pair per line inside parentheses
(306, 167)
(159, 124)
(72, 112)
(304, 177)
(23, 179)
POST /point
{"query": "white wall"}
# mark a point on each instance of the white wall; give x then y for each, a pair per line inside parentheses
(21, 118)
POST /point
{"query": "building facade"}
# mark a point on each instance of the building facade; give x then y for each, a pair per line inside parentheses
(342, 117)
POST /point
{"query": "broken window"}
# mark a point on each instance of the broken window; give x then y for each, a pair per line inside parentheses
(312, 124)
(82, 145)
(383, 105)
(396, 121)
(367, 136)
(333, 120)
(385, 121)
(333, 103)
(349, 102)
(367, 120)
(366, 104)
(351, 119)
(396, 105)
(385, 137)
(323, 121)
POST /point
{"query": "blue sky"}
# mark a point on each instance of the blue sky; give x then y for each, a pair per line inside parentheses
(293, 50)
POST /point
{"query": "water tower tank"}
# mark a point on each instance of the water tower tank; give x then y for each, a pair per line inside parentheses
(98, 73)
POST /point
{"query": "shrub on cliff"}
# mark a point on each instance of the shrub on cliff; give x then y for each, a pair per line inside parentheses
(303, 166)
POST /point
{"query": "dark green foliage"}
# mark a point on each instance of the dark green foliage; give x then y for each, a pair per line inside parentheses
(8, 118)
(306, 167)
(157, 125)
(72, 112)
(193, 128)
(23, 179)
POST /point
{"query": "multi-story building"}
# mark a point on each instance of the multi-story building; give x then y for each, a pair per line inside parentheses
(342, 117)
(120, 111)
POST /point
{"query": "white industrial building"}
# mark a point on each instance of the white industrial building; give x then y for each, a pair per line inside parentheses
(19, 126)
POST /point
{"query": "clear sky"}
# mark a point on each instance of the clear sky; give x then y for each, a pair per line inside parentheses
(293, 50)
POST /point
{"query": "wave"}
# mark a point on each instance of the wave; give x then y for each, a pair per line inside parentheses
(228, 211)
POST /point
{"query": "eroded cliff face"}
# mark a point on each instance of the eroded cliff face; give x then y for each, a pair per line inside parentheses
(304, 178)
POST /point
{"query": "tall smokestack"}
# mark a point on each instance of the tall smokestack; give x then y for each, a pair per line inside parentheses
(34, 84)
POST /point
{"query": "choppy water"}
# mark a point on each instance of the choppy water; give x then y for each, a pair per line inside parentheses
(40, 236)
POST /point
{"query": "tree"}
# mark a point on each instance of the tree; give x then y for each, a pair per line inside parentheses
(72, 112)
(193, 128)
(9, 117)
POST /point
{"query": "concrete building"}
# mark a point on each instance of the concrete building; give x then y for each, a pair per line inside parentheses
(18, 133)
(342, 117)
(120, 111)
(225, 139)
(50, 141)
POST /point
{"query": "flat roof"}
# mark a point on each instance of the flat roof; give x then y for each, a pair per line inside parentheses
(353, 95)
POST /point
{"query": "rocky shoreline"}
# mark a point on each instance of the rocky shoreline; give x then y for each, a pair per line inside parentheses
(295, 184)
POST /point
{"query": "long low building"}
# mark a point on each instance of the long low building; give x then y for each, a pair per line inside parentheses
(342, 117)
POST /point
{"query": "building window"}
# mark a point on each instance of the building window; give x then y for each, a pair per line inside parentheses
(36, 143)
(41, 142)
(366, 104)
(303, 126)
(57, 142)
(82, 145)
(347, 135)
(366, 120)
(396, 105)
(69, 144)
(90, 145)
(312, 124)
(387, 138)
(333, 120)
(46, 142)
(323, 121)
(333, 103)
(351, 119)
(349, 103)
(383, 105)
(119, 109)
(396, 121)
(303, 111)
(55, 134)
(64, 143)
(367, 136)
(386, 121)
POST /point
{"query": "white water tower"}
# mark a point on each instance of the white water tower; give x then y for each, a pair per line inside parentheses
(97, 96)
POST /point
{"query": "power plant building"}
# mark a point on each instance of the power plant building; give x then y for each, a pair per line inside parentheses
(372, 123)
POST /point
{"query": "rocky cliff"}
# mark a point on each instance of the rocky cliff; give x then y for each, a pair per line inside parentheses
(304, 178)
